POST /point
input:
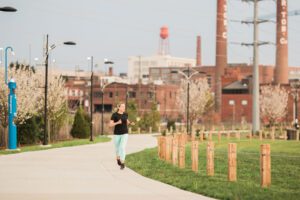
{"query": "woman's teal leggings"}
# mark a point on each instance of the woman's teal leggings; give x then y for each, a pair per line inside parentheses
(120, 145)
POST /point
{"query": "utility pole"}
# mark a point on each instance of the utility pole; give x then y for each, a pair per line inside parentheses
(255, 69)
(255, 104)
(91, 99)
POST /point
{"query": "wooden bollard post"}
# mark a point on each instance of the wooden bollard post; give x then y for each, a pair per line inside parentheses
(250, 135)
(210, 136)
(260, 135)
(228, 135)
(159, 146)
(163, 148)
(159, 129)
(201, 136)
(210, 159)
(219, 136)
(273, 133)
(182, 151)
(150, 129)
(168, 148)
(139, 130)
(130, 130)
(175, 150)
(194, 151)
(265, 165)
(238, 135)
(231, 162)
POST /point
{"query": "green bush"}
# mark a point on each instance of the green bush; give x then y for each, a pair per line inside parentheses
(80, 128)
(171, 123)
(31, 131)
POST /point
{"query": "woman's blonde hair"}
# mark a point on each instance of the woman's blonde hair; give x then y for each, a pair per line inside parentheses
(116, 109)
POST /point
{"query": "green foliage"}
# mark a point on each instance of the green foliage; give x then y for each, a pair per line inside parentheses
(171, 123)
(57, 122)
(31, 131)
(150, 119)
(132, 113)
(80, 127)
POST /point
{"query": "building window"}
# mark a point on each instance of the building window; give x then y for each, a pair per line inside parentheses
(97, 94)
(111, 95)
(170, 94)
(231, 102)
(244, 102)
(117, 94)
(131, 94)
(150, 95)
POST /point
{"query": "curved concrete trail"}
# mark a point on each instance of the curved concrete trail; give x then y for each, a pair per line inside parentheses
(84, 172)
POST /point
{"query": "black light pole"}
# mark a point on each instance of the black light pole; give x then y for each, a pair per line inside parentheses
(296, 111)
(91, 97)
(188, 104)
(126, 99)
(102, 119)
(45, 140)
(102, 98)
(188, 77)
(295, 84)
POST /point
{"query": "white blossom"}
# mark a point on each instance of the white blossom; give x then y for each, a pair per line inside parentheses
(273, 103)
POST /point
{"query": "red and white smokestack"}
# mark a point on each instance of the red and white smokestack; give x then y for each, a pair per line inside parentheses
(221, 43)
(110, 71)
(281, 68)
(221, 50)
(198, 51)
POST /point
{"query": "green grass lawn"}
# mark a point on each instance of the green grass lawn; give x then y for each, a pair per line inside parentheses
(68, 143)
(285, 165)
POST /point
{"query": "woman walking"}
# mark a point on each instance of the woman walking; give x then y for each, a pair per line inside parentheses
(119, 120)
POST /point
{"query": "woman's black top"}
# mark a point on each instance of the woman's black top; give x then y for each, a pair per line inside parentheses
(120, 129)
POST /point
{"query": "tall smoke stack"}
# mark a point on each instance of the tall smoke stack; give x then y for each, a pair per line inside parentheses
(281, 68)
(198, 51)
(221, 50)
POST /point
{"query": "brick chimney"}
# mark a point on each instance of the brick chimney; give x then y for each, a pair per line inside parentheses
(110, 71)
(221, 50)
(198, 52)
(281, 67)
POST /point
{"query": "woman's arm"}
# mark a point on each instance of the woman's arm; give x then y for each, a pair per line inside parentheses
(112, 123)
(130, 123)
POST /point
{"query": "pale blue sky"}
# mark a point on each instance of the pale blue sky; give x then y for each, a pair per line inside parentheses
(117, 29)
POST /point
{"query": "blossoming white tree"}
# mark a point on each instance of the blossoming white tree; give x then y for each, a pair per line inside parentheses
(30, 96)
(27, 94)
(273, 103)
(56, 104)
(200, 101)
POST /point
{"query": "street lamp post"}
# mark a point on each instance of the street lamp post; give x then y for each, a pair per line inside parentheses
(103, 85)
(295, 84)
(91, 99)
(12, 106)
(188, 75)
(232, 103)
(45, 140)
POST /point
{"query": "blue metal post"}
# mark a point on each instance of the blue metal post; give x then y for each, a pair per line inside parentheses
(12, 113)
(6, 50)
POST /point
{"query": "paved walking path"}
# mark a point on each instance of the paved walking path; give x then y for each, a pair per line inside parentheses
(84, 172)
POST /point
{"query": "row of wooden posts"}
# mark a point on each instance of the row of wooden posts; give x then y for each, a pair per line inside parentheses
(172, 150)
(226, 132)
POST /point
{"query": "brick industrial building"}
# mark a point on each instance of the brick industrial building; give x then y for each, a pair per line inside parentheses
(230, 83)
